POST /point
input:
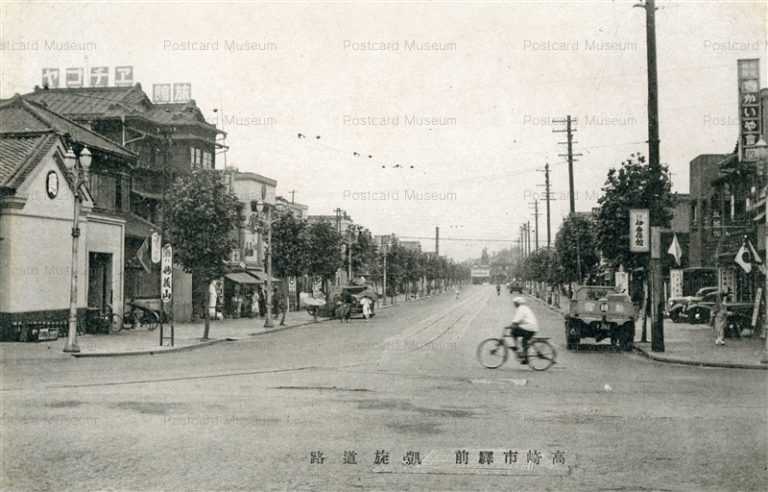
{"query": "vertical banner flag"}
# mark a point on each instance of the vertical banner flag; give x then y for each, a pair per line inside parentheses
(675, 250)
(166, 274)
(639, 230)
(675, 282)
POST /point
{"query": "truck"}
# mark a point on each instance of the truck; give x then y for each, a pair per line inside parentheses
(600, 312)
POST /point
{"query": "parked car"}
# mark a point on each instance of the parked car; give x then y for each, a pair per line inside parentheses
(600, 312)
(357, 292)
(677, 309)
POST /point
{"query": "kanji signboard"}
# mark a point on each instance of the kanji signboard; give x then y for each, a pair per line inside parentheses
(749, 106)
(675, 282)
(639, 230)
(166, 274)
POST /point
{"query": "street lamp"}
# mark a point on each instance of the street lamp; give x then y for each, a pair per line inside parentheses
(266, 222)
(353, 232)
(80, 159)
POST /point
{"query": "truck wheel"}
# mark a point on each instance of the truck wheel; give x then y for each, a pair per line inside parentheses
(627, 337)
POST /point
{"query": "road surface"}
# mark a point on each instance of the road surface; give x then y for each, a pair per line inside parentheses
(401, 398)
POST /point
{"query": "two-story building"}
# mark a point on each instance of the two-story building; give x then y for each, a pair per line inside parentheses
(170, 139)
(37, 152)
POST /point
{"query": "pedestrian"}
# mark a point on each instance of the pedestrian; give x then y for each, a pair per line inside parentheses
(346, 301)
(262, 301)
(719, 320)
(282, 305)
(365, 302)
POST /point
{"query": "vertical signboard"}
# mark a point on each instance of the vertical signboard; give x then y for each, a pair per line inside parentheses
(749, 107)
(675, 282)
(639, 230)
(166, 274)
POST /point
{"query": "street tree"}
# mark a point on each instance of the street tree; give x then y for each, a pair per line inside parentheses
(290, 247)
(200, 220)
(633, 185)
(325, 253)
(576, 246)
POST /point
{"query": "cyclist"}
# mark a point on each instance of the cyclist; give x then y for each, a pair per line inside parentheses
(524, 325)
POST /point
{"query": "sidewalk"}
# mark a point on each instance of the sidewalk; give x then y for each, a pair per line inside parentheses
(694, 345)
(145, 342)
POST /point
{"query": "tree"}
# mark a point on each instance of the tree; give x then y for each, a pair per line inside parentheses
(576, 247)
(633, 185)
(290, 246)
(325, 254)
(201, 215)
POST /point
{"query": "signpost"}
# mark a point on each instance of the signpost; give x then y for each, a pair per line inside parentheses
(639, 230)
(166, 290)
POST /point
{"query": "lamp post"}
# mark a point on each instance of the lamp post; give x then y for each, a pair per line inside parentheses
(80, 159)
(266, 222)
(353, 233)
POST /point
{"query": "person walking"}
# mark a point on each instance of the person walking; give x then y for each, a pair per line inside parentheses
(365, 302)
(262, 301)
(719, 322)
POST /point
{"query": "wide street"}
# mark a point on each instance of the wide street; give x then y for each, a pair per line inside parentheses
(255, 414)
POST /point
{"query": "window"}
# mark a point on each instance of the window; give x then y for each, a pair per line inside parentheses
(207, 160)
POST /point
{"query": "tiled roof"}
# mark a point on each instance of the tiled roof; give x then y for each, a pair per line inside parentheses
(113, 102)
(18, 116)
(102, 101)
(20, 153)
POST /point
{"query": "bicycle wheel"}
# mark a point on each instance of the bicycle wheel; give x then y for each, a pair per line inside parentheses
(541, 355)
(151, 320)
(492, 353)
(115, 323)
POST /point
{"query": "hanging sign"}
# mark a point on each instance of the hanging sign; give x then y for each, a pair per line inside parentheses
(749, 107)
(155, 247)
(639, 230)
(166, 274)
(675, 282)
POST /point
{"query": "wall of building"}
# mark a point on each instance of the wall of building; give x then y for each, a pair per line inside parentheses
(106, 235)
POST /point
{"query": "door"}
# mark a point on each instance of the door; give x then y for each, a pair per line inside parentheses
(99, 280)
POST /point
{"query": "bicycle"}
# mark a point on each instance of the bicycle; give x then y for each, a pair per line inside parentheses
(100, 321)
(493, 352)
(139, 317)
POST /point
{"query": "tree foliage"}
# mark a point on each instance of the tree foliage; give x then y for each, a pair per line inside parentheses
(200, 217)
(290, 246)
(576, 246)
(325, 252)
(633, 185)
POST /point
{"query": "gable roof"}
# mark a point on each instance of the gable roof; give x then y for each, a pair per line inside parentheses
(116, 102)
(19, 154)
(18, 116)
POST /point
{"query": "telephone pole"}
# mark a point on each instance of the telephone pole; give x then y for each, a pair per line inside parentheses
(547, 198)
(437, 240)
(569, 131)
(528, 236)
(535, 204)
(657, 326)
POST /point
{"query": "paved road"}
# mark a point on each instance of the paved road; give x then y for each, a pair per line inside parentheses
(251, 415)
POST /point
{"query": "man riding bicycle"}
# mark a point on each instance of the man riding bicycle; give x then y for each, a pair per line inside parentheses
(524, 325)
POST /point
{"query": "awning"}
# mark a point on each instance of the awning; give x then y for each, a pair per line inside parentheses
(242, 278)
(262, 276)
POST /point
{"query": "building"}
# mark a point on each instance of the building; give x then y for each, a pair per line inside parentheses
(169, 140)
(37, 197)
(298, 210)
(340, 219)
(414, 246)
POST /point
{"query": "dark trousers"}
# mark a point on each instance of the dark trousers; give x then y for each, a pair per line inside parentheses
(526, 335)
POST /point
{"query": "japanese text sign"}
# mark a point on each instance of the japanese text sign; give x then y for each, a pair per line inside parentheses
(166, 274)
(639, 230)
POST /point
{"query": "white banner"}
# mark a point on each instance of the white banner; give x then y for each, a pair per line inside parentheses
(166, 274)
(639, 230)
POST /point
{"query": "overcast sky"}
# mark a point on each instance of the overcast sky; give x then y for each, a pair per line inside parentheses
(472, 115)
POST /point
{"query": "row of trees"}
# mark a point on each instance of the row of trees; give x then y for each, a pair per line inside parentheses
(201, 216)
(582, 240)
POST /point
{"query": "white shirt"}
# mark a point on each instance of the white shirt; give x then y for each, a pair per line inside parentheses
(525, 319)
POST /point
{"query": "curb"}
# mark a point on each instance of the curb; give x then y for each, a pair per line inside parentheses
(208, 343)
(673, 360)
(687, 362)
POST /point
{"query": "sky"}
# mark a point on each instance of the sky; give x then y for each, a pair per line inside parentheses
(454, 101)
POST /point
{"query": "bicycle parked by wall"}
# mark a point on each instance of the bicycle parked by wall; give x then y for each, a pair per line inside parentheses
(137, 316)
(97, 321)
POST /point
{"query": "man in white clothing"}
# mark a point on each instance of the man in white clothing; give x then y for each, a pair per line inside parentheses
(524, 325)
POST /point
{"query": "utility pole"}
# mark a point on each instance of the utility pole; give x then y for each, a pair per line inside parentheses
(528, 237)
(536, 223)
(547, 198)
(569, 131)
(657, 326)
(292, 192)
(437, 240)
